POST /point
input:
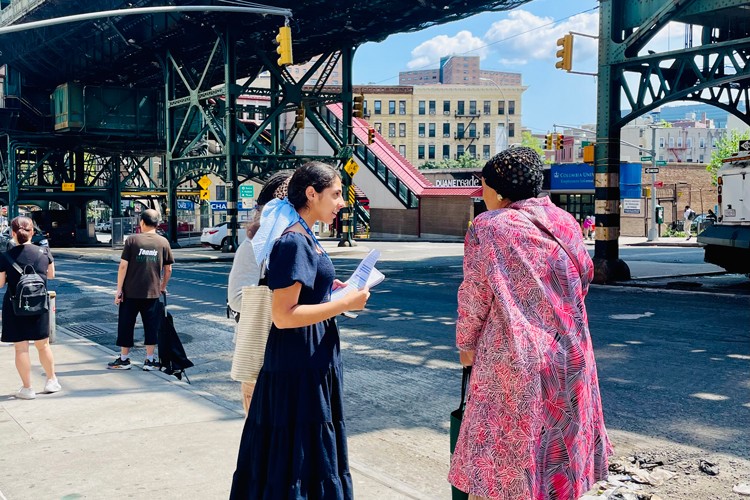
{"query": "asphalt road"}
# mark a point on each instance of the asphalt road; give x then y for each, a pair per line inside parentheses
(673, 365)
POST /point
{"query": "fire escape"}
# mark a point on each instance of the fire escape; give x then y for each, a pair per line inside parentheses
(467, 130)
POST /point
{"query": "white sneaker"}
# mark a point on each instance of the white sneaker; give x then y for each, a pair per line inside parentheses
(26, 393)
(52, 385)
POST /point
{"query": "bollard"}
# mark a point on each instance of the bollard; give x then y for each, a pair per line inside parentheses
(52, 316)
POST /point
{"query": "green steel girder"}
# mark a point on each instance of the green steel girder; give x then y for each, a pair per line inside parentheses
(689, 74)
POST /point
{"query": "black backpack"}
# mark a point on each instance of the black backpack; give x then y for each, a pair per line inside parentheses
(31, 298)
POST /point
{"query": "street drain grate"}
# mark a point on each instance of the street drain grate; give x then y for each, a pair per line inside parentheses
(87, 330)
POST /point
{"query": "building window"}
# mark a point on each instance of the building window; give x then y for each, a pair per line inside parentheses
(420, 152)
(431, 108)
(377, 107)
(486, 152)
(460, 132)
(473, 130)
(459, 151)
(701, 159)
(446, 151)
(472, 107)
(702, 143)
(402, 129)
(431, 152)
(421, 130)
(671, 142)
(446, 129)
(661, 142)
(511, 130)
(446, 107)
(460, 110)
(679, 142)
(500, 107)
(421, 107)
(689, 142)
(391, 130)
(713, 142)
(402, 150)
(221, 193)
(431, 130)
(379, 128)
(402, 107)
(486, 130)
(391, 107)
(511, 107)
(487, 107)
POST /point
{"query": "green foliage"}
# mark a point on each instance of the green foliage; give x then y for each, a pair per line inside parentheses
(532, 142)
(725, 147)
(465, 161)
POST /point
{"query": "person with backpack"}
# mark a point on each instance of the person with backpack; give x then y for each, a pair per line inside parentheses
(688, 216)
(26, 268)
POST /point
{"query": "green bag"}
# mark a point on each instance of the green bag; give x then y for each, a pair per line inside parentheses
(456, 418)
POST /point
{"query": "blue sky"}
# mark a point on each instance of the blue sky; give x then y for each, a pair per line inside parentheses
(522, 41)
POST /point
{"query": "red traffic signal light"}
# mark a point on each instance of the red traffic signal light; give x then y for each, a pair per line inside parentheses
(559, 140)
(370, 135)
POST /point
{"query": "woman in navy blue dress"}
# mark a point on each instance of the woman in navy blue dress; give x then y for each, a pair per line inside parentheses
(294, 442)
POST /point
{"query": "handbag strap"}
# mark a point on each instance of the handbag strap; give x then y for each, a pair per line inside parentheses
(546, 230)
(464, 386)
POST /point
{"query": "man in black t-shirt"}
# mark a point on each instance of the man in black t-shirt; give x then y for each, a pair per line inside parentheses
(145, 268)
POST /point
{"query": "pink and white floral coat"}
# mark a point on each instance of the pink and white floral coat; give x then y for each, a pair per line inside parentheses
(533, 426)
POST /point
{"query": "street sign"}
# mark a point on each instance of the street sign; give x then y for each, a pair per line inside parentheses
(659, 184)
(68, 186)
(652, 170)
(204, 182)
(247, 191)
(646, 158)
(661, 163)
(204, 194)
(351, 167)
(631, 205)
(744, 146)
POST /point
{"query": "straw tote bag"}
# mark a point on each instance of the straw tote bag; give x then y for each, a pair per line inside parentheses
(252, 333)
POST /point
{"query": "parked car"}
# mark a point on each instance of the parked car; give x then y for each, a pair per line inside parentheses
(215, 237)
(6, 241)
(103, 227)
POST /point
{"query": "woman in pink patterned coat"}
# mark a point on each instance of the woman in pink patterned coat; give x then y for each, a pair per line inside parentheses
(533, 427)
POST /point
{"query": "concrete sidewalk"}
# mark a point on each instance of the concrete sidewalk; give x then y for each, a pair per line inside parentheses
(128, 434)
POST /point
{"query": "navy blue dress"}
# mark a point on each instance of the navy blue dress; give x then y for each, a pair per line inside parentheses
(294, 442)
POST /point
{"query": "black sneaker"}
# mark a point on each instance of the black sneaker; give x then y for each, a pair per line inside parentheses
(151, 365)
(119, 364)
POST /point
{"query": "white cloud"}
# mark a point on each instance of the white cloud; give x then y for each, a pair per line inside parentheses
(428, 53)
(524, 36)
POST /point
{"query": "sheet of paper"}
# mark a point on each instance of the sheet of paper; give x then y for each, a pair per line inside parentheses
(364, 276)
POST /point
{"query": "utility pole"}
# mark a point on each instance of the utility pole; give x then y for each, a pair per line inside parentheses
(653, 235)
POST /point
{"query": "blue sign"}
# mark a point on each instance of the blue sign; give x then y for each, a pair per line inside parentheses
(572, 176)
(630, 180)
(184, 205)
(221, 206)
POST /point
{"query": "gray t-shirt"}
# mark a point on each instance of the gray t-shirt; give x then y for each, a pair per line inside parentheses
(245, 272)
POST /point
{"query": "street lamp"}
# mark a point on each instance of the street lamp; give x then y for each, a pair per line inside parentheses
(507, 131)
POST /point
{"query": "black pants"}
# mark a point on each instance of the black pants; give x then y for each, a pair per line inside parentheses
(150, 316)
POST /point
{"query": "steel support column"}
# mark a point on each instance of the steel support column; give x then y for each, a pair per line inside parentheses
(607, 264)
(230, 127)
(347, 213)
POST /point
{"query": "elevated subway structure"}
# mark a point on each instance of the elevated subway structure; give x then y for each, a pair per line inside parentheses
(89, 103)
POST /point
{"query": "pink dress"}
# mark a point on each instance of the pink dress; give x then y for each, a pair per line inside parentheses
(533, 427)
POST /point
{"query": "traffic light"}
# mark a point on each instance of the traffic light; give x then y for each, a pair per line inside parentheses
(284, 49)
(559, 141)
(565, 54)
(359, 106)
(370, 135)
(299, 119)
(548, 142)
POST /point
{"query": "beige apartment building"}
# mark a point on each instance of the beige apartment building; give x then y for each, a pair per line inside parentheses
(458, 70)
(429, 123)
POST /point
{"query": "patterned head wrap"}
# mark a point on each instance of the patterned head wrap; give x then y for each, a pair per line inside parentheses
(515, 173)
(281, 191)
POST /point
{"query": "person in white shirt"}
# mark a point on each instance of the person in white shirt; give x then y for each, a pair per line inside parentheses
(688, 217)
(245, 270)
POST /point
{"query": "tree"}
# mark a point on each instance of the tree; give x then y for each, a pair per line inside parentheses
(725, 147)
(532, 142)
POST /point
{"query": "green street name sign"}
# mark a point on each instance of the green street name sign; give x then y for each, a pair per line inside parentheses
(661, 163)
(247, 191)
(646, 158)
